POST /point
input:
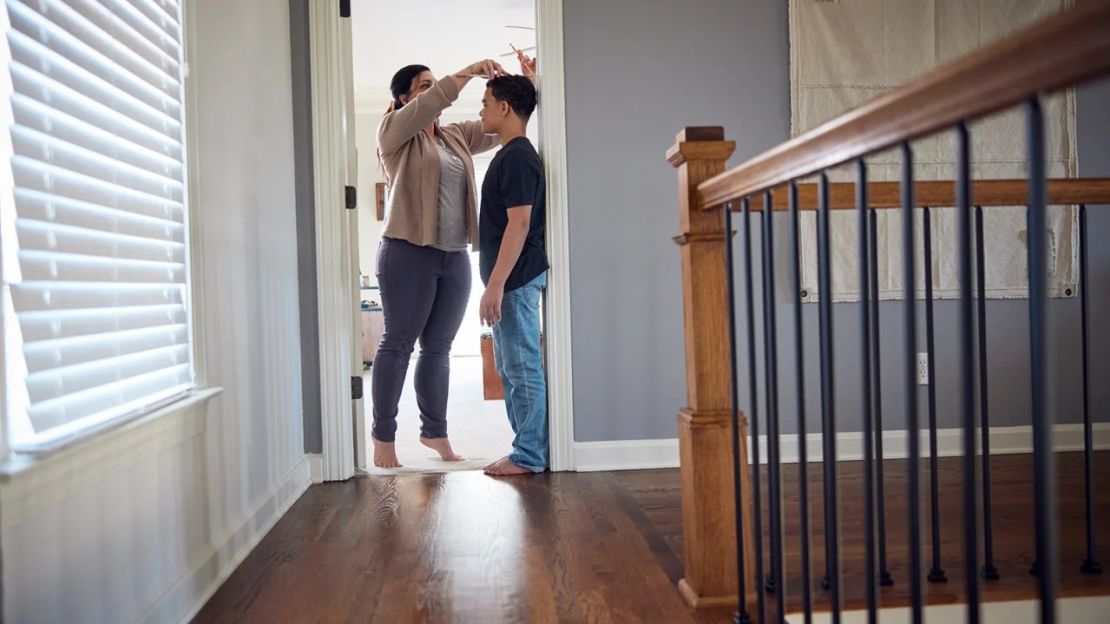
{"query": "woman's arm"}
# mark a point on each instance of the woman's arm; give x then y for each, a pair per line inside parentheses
(476, 140)
(401, 125)
(482, 69)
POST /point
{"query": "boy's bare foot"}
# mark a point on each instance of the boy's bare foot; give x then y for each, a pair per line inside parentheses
(504, 468)
(487, 468)
(443, 447)
(385, 454)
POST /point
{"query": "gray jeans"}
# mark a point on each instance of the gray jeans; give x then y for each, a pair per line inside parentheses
(424, 293)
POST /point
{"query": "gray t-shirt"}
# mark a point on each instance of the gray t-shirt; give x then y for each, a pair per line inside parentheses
(451, 229)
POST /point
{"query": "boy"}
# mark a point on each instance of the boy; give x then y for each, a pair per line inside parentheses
(513, 265)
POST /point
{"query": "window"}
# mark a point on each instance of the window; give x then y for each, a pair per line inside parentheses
(93, 229)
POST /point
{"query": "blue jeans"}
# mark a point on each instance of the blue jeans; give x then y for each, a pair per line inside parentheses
(516, 351)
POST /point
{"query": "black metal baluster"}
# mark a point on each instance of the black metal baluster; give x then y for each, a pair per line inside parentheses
(990, 572)
(770, 358)
(741, 616)
(869, 579)
(1090, 564)
(885, 579)
(1044, 478)
(966, 369)
(799, 374)
(936, 573)
(913, 486)
(828, 407)
(757, 511)
(1032, 567)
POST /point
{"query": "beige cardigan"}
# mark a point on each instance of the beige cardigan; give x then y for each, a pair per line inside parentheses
(412, 164)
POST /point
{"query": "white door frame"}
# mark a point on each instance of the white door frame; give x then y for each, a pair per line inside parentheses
(357, 414)
(333, 268)
(335, 297)
(553, 147)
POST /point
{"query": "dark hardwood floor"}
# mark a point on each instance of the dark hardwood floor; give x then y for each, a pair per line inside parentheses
(657, 492)
(600, 547)
(457, 547)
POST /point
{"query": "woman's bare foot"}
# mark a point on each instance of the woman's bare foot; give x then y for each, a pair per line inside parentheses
(504, 468)
(385, 454)
(443, 447)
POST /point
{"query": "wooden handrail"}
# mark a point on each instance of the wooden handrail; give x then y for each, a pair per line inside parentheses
(941, 194)
(1062, 51)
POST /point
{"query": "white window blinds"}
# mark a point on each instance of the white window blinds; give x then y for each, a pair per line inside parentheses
(93, 222)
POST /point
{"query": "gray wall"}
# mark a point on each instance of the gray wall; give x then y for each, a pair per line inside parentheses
(636, 73)
(306, 225)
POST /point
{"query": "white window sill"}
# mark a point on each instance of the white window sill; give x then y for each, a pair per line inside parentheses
(166, 425)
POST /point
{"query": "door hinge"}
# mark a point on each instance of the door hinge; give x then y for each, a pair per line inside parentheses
(344, 8)
(356, 388)
(351, 197)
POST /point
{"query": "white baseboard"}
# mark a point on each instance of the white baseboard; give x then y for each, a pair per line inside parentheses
(1087, 610)
(315, 467)
(645, 454)
(211, 572)
(1003, 440)
(625, 455)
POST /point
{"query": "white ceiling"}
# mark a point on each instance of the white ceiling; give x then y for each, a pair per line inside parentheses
(445, 35)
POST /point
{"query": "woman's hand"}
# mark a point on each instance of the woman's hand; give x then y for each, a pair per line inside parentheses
(527, 64)
(487, 67)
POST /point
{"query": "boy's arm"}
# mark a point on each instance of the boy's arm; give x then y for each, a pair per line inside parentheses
(512, 243)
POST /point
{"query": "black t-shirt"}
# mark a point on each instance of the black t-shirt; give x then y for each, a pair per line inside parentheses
(514, 178)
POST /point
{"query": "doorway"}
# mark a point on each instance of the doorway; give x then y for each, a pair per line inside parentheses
(385, 37)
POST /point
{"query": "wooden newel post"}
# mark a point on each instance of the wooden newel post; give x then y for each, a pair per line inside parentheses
(705, 424)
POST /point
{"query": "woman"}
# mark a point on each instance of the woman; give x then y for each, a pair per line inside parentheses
(423, 266)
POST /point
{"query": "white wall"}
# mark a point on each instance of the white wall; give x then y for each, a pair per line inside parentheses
(141, 524)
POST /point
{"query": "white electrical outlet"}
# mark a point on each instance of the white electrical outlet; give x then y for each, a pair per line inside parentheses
(922, 369)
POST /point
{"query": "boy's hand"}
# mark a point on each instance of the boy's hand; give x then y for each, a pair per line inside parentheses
(489, 310)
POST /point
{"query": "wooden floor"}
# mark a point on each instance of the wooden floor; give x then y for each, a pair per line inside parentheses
(599, 547)
(1012, 478)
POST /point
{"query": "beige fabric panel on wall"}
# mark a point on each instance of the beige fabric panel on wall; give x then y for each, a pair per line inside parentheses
(845, 52)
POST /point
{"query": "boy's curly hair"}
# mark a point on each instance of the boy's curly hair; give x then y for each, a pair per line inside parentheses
(518, 91)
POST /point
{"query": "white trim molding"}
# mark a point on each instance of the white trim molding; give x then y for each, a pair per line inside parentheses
(333, 267)
(29, 482)
(194, 247)
(626, 455)
(553, 147)
(1004, 441)
(663, 453)
(316, 467)
(1082, 610)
